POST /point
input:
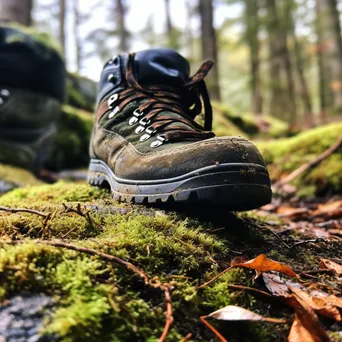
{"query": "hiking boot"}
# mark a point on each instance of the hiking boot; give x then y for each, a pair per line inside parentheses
(31, 92)
(147, 147)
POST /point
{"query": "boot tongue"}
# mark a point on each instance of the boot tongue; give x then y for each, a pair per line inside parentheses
(161, 67)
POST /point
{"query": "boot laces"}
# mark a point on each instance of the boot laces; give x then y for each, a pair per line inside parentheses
(159, 99)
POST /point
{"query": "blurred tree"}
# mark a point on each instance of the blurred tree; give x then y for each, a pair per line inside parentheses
(209, 45)
(252, 22)
(330, 45)
(18, 11)
(61, 16)
(173, 34)
(123, 34)
(273, 28)
(298, 54)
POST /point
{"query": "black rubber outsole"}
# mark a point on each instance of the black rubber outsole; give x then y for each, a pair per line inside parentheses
(239, 186)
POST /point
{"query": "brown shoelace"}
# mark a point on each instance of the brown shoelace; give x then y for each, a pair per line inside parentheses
(184, 100)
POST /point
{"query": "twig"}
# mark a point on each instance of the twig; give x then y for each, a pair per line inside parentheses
(23, 210)
(169, 317)
(186, 338)
(310, 164)
(308, 241)
(111, 258)
(88, 251)
(79, 211)
(212, 279)
(204, 321)
(251, 289)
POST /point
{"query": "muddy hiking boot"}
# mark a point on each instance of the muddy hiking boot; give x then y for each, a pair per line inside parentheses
(31, 92)
(147, 147)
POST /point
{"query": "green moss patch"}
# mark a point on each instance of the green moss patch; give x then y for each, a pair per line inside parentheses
(72, 140)
(250, 124)
(99, 300)
(286, 155)
(16, 176)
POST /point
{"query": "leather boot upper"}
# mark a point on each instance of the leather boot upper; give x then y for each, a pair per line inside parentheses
(145, 119)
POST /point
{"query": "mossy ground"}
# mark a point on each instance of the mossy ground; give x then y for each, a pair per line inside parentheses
(99, 301)
(71, 145)
(286, 155)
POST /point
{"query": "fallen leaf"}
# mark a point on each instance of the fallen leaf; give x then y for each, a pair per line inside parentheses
(277, 285)
(263, 264)
(236, 313)
(306, 326)
(331, 299)
(319, 304)
(330, 265)
(327, 207)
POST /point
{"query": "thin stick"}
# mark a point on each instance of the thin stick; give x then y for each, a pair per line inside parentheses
(204, 321)
(169, 317)
(310, 164)
(23, 210)
(186, 338)
(309, 241)
(89, 251)
(251, 289)
(212, 279)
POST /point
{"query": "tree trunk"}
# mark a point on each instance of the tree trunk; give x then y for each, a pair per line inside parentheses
(276, 98)
(62, 10)
(18, 11)
(288, 63)
(336, 26)
(252, 31)
(323, 87)
(330, 44)
(209, 46)
(169, 27)
(77, 23)
(120, 20)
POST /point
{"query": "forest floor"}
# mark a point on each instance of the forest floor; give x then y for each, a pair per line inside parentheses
(75, 265)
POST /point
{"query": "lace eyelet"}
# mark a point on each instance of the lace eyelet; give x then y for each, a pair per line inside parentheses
(112, 114)
(111, 100)
(139, 129)
(144, 122)
(145, 137)
(159, 141)
(150, 130)
(137, 113)
(132, 121)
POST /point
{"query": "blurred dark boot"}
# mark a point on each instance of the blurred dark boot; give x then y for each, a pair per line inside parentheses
(32, 82)
(147, 147)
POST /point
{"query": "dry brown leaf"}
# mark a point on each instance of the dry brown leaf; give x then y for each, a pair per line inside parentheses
(236, 313)
(331, 299)
(263, 264)
(330, 265)
(319, 301)
(306, 326)
(327, 207)
(319, 305)
(277, 285)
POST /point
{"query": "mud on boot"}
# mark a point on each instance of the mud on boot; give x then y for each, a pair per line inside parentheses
(147, 147)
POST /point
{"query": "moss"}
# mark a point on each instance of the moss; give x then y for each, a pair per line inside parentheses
(38, 36)
(81, 92)
(249, 124)
(16, 176)
(286, 155)
(97, 300)
(72, 141)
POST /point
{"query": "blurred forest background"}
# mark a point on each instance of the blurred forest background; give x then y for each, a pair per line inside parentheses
(282, 58)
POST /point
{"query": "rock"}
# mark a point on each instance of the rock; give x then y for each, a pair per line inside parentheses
(22, 317)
